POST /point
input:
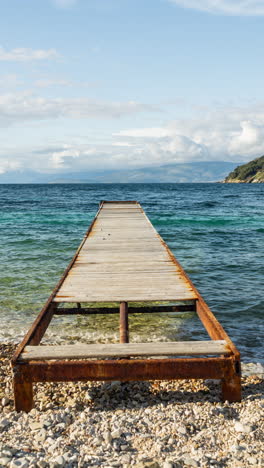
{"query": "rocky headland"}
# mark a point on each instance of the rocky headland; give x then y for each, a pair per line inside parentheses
(252, 172)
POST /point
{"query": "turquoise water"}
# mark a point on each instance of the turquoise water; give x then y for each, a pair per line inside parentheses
(215, 230)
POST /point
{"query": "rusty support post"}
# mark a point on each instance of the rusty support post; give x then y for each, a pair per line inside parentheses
(123, 327)
(231, 383)
(23, 394)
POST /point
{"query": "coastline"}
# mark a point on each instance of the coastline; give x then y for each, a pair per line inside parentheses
(159, 424)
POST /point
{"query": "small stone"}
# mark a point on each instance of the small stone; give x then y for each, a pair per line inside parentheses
(168, 465)
(116, 434)
(35, 426)
(5, 401)
(46, 423)
(182, 430)
(59, 461)
(236, 448)
(126, 459)
(19, 463)
(252, 460)
(190, 461)
(51, 448)
(41, 464)
(6, 452)
(242, 428)
(107, 437)
(98, 441)
(4, 461)
(40, 436)
(4, 424)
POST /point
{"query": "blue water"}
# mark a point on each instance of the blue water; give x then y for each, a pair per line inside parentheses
(216, 231)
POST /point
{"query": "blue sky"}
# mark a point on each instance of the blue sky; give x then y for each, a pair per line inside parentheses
(110, 84)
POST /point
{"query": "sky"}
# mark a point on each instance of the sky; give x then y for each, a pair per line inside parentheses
(122, 84)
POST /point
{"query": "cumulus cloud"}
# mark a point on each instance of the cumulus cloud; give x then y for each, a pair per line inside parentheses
(225, 134)
(226, 7)
(235, 134)
(58, 157)
(21, 107)
(249, 140)
(23, 54)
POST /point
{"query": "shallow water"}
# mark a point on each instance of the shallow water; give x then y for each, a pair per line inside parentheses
(215, 230)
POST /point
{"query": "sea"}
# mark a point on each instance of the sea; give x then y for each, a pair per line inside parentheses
(215, 230)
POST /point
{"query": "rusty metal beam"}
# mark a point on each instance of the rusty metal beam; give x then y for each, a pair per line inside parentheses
(39, 329)
(116, 310)
(211, 324)
(125, 369)
(23, 393)
(123, 326)
(231, 382)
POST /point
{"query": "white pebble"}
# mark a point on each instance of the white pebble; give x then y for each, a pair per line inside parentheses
(116, 434)
(19, 463)
(5, 401)
(242, 428)
(182, 430)
(59, 461)
(35, 426)
(4, 461)
(107, 437)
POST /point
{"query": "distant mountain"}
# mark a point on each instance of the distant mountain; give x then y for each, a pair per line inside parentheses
(207, 171)
(252, 172)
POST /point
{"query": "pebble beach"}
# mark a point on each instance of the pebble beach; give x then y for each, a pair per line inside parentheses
(168, 424)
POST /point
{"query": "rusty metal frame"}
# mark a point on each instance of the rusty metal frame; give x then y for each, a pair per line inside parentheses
(132, 310)
(226, 367)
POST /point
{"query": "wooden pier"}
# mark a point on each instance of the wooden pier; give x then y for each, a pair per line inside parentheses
(122, 259)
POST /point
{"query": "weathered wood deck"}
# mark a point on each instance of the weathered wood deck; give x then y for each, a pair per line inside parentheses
(122, 259)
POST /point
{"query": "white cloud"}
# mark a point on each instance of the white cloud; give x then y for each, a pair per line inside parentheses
(249, 140)
(226, 7)
(235, 134)
(46, 83)
(7, 165)
(224, 134)
(155, 132)
(21, 107)
(58, 157)
(23, 54)
(9, 81)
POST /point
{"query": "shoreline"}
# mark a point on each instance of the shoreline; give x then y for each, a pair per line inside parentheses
(169, 424)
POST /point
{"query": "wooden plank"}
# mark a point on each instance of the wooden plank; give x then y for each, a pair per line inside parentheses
(123, 287)
(83, 351)
(129, 298)
(127, 280)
